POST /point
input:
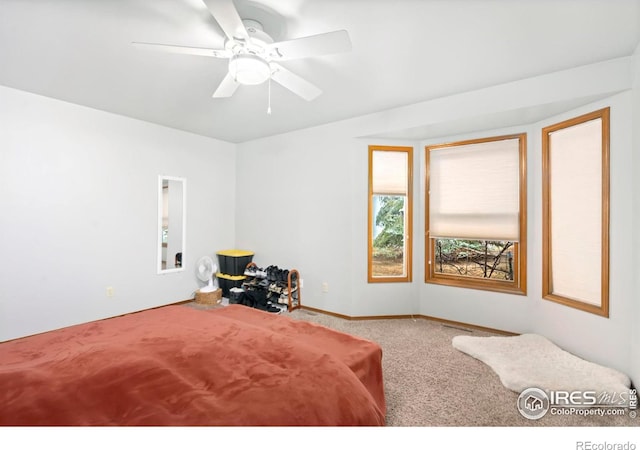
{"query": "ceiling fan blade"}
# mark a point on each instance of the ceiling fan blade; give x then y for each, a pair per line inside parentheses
(226, 14)
(316, 45)
(183, 50)
(226, 88)
(294, 83)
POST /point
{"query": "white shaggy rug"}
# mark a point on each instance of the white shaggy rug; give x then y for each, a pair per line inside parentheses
(531, 360)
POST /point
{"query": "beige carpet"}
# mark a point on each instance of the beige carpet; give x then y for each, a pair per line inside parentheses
(430, 383)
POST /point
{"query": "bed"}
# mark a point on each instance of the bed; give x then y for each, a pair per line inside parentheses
(178, 366)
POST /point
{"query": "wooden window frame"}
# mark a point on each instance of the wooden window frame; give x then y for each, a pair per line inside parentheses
(547, 266)
(519, 284)
(408, 256)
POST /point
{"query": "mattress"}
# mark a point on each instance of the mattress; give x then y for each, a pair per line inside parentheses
(178, 366)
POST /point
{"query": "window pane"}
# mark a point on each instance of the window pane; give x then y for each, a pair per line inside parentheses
(389, 231)
(475, 259)
(575, 174)
(575, 214)
(476, 221)
(389, 214)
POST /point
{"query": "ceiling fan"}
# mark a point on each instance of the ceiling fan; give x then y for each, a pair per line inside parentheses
(254, 56)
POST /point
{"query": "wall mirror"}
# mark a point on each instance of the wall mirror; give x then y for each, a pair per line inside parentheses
(172, 195)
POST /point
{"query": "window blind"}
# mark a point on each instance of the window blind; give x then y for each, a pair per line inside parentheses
(576, 211)
(389, 173)
(474, 191)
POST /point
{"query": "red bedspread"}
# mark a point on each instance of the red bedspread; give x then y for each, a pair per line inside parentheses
(179, 366)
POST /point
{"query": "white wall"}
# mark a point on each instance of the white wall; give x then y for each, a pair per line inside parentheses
(375, 299)
(78, 195)
(508, 312)
(302, 198)
(588, 335)
(322, 229)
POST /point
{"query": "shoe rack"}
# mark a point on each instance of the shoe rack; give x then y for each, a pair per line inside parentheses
(289, 292)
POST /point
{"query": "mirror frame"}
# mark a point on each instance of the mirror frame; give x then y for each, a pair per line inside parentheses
(161, 179)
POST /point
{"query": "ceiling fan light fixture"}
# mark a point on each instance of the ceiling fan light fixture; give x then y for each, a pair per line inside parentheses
(249, 69)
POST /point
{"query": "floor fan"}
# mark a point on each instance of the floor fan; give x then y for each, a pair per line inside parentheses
(205, 270)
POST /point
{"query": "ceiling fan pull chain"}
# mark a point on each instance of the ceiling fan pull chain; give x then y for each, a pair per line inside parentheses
(269, 106)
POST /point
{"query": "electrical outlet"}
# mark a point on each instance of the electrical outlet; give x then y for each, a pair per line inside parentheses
(325, 287)
(301, 283)
(110, 292)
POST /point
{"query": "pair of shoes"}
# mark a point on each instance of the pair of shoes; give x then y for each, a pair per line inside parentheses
(275, 274)
(284, 276)
(255, 271)
(253, 282)
(278, 288)
(273, 308)
(271, 272)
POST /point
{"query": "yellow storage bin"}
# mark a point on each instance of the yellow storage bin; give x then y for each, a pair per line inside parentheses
(226, 282)
(233, 262)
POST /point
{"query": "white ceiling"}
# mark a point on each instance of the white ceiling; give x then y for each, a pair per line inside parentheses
(404, 51)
